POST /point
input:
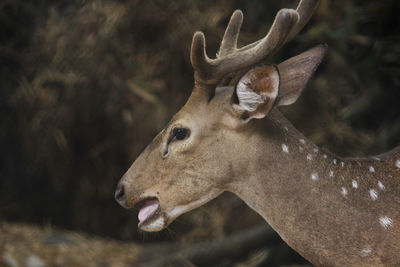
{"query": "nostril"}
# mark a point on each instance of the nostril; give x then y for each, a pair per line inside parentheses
(120, 194)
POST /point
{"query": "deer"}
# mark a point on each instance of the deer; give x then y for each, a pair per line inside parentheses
(333, 211)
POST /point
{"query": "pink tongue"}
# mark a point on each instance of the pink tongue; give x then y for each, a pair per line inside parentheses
(150, 207)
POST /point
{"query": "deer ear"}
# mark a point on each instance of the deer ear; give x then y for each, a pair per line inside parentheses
(262, 88)
(256, 92)
(295, 72)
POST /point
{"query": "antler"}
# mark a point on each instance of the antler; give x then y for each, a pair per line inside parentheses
(209, 72)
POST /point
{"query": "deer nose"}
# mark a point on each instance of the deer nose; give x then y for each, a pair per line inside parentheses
(120, 195)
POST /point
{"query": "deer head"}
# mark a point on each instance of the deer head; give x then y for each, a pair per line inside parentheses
(201, 151)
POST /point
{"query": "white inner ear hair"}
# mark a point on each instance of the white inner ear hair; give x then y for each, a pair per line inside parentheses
(248, 99)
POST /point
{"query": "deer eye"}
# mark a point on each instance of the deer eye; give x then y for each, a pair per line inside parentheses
(180, 133)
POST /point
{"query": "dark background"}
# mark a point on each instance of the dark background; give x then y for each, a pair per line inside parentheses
(86, 85)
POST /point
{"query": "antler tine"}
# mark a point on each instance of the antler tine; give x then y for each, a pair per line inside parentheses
(229, 41)
(199, 59)
(199, 56)
(305, 9)
(210, 71)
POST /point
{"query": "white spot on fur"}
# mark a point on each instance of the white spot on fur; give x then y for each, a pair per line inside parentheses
(309, 157)
(331, 173)
(334, 161)
(314, 176)
(371, 169)
(301, 149)
(344, 191)
(285, 148)
(386, 222)
(304, 141)
(398, 163)
(373, 194)
(316, 150)
(354, 184)
(381, 186)
(325, 156)
(366, 251)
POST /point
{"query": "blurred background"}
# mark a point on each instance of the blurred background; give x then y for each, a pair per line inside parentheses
(86, 85)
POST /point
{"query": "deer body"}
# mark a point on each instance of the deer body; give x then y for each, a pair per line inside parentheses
(333, 211)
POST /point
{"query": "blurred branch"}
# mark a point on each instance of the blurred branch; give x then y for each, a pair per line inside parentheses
(235, 246)
(143, 93)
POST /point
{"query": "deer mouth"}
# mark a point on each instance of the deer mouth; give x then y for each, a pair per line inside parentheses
(149, 211)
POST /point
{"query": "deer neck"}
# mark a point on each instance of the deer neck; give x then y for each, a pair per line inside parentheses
(320, 204)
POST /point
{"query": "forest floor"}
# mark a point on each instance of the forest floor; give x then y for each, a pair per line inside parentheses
(34, 246)
(28, 245)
